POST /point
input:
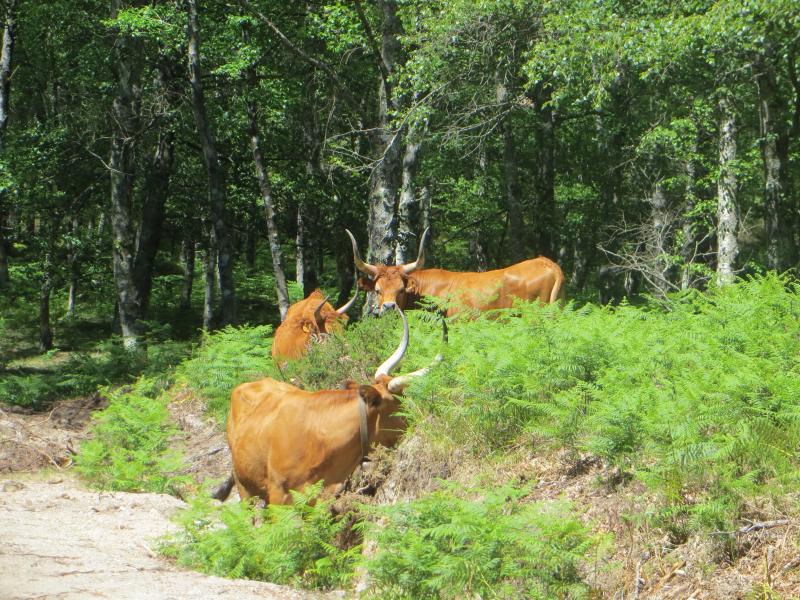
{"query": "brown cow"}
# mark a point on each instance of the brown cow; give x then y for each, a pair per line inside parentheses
(535, 279)
(283, 438)
(307, 320)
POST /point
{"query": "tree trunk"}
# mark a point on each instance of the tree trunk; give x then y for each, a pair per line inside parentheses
(188, 251)
(408, 206)
(611, 131)
(74, 270)
(216, 176)
(727, 218)
(545, 209)
(660, 224)
(778, 221)
(156, 185)
(45, 331)
(689, 233)
(5, 89)
(209, 270)
(251, 238)
(425, 220)
(4, 274)
(300, 246)
(513, 193)
(386, 177)
(122, 166)
(49, 231)
(149, 233)
(5, 65)
(478, 251)
(265, 186)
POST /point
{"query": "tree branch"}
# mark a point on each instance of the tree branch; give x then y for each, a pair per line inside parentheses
(351, 100)
(373, 44)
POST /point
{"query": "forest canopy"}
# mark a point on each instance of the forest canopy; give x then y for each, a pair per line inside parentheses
(643, 146)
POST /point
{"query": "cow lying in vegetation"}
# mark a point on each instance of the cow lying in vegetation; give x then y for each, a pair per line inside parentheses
(535, 279)
(283, 438)
(305, 321)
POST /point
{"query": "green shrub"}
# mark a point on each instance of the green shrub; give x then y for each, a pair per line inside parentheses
(130, 445)
(33, 391)
(294, 544)
(225, 359)
(444, 546)
(699, 399)
(359, 350)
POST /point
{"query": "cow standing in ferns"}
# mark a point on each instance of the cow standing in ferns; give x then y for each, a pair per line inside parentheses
(403, 285)
(283, 438)
(307, 321)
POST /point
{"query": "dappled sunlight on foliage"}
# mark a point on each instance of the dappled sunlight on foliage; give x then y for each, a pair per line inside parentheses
(445, 546)
(698, 399)
(225, 359)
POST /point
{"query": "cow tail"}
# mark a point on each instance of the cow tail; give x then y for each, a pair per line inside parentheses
(224, 490)
(557, 293)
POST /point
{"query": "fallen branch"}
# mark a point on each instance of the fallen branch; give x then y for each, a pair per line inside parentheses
(754, 526)
(670, 574)
(791, 565)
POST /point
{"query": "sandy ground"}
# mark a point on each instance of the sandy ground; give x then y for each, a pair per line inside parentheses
(60, 540)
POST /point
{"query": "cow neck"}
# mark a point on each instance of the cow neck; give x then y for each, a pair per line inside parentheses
(430, 282)
(363, 427)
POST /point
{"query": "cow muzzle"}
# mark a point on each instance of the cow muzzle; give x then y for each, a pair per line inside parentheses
(387, 306)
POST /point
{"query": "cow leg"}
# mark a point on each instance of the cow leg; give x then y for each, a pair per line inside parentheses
(244, 493)
(277, 493)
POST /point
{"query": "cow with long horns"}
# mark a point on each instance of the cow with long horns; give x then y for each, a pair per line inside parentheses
(402, 285)
(283, 438)
(306, 321)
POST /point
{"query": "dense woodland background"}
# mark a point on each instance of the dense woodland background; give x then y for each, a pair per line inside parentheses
(168, 167)
(153, 147)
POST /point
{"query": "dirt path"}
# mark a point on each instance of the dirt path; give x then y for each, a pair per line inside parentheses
(59, 540)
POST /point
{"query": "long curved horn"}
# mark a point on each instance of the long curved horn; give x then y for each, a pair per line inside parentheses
(318, 310)
(360, 264)
(395, 358)
(411, 267)
(349, 304)
(399, 383)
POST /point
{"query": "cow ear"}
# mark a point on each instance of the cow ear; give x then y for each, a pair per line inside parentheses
(307, 326)
(366, 284)
(349, 384)
(370, 395)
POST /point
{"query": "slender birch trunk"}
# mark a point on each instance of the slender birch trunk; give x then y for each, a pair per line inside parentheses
(513, 193)
(265, 186)
(408, 205)
(189, 253)
(209, 272)
(545, 209)
(778, 221)
(387, 145)
(216, 175)
(727, 218)
(6, 54)
(122, 165)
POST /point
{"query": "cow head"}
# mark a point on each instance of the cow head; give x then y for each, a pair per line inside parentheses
(381, 394)
(324, 319)
(391, 283)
